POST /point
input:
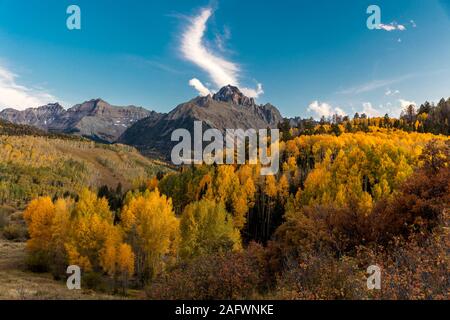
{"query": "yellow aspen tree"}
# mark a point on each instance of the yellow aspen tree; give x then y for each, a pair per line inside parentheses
(59, 233)
(91, 229)
(125, 264)
(39, 218)
(206, 227)
(153, 230)
(283, 188)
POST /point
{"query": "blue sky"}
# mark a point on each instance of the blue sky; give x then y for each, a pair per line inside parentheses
(306, 57)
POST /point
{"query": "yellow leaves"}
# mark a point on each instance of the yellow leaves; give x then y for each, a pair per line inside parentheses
(271, 187)
(125, 259)
(235, 190)
(39, 218)
(240, 208)
(79, 235)
(226, 183)
(381, 189)
(149, 219)
(341, 199)
(353, 163)
(291, 148)
(108, 258)
(416, 125)
(117, 259)
(82, 238)
(283, 188)
(205, 184)
(317, 183)
(90, 205)
(366, 203)
(403, 169)
(75, 258)
(207, 228)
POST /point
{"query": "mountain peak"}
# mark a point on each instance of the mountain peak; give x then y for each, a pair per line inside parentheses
(52, 107)
(232, 94)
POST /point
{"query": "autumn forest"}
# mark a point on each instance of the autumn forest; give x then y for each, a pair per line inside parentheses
(351, 192)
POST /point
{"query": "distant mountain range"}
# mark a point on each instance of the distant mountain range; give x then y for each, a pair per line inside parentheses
(149, 131)
(94, 119)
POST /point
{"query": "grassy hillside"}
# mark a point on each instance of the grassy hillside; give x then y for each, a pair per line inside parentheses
(35, 165)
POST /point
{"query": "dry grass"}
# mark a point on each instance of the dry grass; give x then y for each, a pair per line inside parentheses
(18, 283)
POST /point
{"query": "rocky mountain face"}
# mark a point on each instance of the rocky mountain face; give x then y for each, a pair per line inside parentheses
(94, 119)
(40, 117)
(99, 120)
(233, 95)
(227, 109)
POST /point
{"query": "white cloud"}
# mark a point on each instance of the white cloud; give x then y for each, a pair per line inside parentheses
(221, 71)
(14, 95)
(396, 110)
(406, 103)
(202, 90)
(390, 92)
(221, 39)
(339, 111)
(413, 23)
(371, 111)
(324, 109)
(389, 108)
(392, 27)
(253, 93)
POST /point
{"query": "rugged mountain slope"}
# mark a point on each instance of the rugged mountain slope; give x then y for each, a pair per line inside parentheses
(227, 109)
(40, 117)
(95, 119)
(98, 120)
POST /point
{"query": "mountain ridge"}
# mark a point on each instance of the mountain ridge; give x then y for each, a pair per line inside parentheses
(227, 109)
(95, 119)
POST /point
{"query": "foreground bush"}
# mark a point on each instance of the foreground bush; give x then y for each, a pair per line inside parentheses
(234, 275)
(13, 232)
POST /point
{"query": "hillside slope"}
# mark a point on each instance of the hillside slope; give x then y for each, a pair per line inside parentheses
(39, 165)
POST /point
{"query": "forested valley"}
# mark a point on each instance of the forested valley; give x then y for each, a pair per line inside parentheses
(350, 193)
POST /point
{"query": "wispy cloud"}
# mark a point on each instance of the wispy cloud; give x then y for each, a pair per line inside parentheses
(221, 71)
(321, 109)
(390, 92)
(14, 95)
(222, 38)
(374, 85)
(393, 26)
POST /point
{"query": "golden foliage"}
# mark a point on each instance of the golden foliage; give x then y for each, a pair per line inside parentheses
(153, 229)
